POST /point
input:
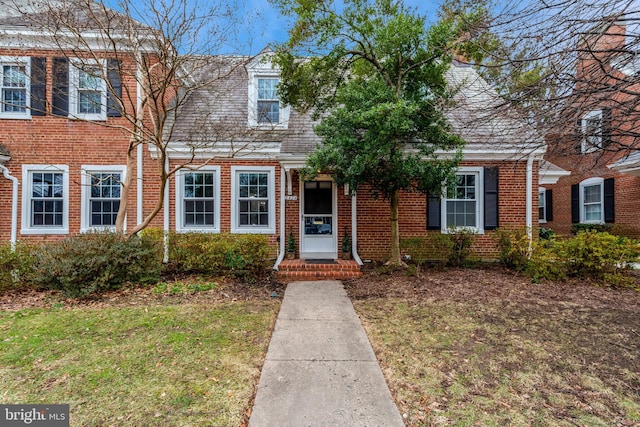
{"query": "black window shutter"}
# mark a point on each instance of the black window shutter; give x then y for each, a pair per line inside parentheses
(491, 217)
(433, 212)
(38, 86)
(609, 200)
(575, 203)
(606, 127)
(114, 93)
(548, 203)
(60, 99)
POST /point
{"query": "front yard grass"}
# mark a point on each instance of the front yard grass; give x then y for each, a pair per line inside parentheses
(161, 365)
(486, 348)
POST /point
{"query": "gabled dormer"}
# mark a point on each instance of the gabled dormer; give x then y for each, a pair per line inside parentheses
(265, 110)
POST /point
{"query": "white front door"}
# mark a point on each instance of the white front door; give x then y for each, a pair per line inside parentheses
(319, 220)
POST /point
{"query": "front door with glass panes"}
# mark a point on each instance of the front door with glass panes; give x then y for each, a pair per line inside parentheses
(319, 220)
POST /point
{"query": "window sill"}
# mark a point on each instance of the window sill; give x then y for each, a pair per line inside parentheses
(250, 230)
(5, 116)
(198, 230)
(43, 231)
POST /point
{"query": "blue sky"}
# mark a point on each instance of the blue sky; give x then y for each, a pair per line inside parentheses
(269, 26)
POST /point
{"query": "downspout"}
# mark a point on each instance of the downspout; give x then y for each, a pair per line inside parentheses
(529, 201)
(166, 213)
(14, 205)
(283, 177)
(140, 151)
(354, 228)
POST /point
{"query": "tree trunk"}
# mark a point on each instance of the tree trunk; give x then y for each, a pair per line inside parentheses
(395, 258)
(125, 190)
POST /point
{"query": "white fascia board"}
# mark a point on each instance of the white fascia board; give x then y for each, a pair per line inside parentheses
(628, 168)
(293, 162)
(551, 177)
(33, 39)
(492, 154)
(221, 150)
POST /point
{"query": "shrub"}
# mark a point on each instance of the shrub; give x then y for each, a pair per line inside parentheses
(418, 249)
(215, 254)
(546, 233)
(513, 246)
(577, 228)
(96, 262)
(455, 245)
(598, 254)
(14, 265)
(590, 254)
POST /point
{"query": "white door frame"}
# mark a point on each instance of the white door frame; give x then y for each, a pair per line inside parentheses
(330, 251)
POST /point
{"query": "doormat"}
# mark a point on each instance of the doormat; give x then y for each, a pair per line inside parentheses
(320, 261)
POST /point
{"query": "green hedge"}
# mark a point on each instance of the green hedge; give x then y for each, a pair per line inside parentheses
(242, 255)
(96, 262)
(15, 265)
(590, 254)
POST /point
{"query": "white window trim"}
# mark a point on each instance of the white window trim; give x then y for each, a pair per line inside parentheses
(85, 219)
(588, 183)
(26, 199)
(74, 75)
(235, 227)
(587, 147)
(479, 229)
(180, 206)
(543, 191)
(18, 60)
(265, 72)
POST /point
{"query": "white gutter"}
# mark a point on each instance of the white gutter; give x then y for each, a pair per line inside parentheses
(283, 176)
(529, 200)
(166, 214)
(354, 228)
(14, 205)
(140, 152)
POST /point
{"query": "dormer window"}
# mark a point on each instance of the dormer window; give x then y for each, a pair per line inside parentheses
(265, 111)
(595, 128)
(268, 101)
(592, 131)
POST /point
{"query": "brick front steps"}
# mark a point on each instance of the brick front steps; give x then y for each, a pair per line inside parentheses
(300, 269)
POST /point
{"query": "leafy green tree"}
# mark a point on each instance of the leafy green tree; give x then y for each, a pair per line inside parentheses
(374, 73)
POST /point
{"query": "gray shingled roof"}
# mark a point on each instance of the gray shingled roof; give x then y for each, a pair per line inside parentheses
(219, 111)
(48, 14)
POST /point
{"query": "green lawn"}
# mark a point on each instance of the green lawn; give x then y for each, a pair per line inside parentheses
(161, 365)
(494, 363)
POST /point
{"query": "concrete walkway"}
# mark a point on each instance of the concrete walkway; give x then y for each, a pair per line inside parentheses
(320, 368)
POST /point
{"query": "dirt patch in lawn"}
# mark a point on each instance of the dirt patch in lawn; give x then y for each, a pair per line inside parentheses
(486, 346)
(190, 289)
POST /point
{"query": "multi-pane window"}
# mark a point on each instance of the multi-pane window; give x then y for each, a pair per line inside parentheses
(253, 199)
(14, 88)
(268, 101)
(462, 201)
(89, 91)
(542, 205)
(198, 198)
(592, 131)
(47, 199)
(592, 203)
(104, 198)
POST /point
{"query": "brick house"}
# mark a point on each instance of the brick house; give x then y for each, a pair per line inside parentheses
(596, 138)
(241, 152)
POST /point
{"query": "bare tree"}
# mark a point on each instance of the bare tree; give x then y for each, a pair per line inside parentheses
(153, 57)
(559, 61)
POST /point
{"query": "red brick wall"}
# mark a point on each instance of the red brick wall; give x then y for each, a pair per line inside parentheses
(374, 233)
(57, 140)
